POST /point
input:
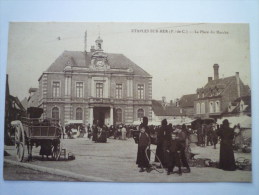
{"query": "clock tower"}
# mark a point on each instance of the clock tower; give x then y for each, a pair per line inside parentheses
(98, 44)
(99, 58)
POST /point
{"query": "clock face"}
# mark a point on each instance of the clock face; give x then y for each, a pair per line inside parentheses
(99, 63)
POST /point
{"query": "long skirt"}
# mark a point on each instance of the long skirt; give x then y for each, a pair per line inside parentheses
(142, 160)
(160, 153)
(94, 137)
(226, 157)
(123, 135)
(46, 148)
(173, 159)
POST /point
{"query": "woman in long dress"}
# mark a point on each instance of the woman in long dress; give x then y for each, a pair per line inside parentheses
(160, 142)
(143, 145)
(226, 157)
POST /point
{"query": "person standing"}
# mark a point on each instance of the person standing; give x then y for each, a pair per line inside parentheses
(95, 131)
(160, 142)
(238, 140)
(143, 147)
(199, 134)
(182, 136)
(173, 150)
(209, 133)
(214, 136)
(226, 155)
(123, 133)
(89, 132)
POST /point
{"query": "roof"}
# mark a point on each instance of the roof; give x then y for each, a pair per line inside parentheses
(82, 59)
(18, 104)
(216, 87)
(236, 103)
(33, 101)
(33, 89)
(167, 110)
(187, 100)
(245, 99)
(24, 103)
(220, 83)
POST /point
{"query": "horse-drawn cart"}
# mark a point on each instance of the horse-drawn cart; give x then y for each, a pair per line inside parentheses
(37, 132)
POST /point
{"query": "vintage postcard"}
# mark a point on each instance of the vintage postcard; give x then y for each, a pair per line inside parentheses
(128, 102)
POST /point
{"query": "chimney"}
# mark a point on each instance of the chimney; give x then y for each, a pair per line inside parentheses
(163, 99)
(92, 49)
(238, 84)
(209, 79)
(216, 71)
(177, 102)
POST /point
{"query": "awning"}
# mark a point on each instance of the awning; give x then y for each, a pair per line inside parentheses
(244, 121)
(74, 122)
(136, 122)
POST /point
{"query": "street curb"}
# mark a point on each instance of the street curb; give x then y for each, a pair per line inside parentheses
(57, 172)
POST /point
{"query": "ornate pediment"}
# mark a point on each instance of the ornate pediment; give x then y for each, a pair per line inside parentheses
(99, 61)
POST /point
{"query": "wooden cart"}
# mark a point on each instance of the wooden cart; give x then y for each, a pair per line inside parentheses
(36, 132)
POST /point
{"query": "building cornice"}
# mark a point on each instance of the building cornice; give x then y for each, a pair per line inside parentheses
(97, 73)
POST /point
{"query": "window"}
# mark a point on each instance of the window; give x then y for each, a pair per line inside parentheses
(140, 113)
(99, 90)
(55, 113)
(211, 107)
(140, 91)
(79, 114)
(56, 89)
(217, 106)
(202, 108)
(211, 92)
(118, 91)
(118, 115)
(198, 108)
(79, 89)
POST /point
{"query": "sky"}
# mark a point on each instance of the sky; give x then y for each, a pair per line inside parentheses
(179, 56)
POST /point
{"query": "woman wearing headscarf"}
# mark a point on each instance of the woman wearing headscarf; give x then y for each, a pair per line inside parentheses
(95, 131)
(143, 155)
(226, 156)
(183, 137)
(160, 142)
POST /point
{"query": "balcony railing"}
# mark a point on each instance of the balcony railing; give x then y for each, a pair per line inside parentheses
(100, 100)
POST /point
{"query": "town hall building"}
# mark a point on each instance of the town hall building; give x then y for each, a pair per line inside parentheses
(87, 86)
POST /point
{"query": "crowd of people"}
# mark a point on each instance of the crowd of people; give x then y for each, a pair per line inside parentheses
(100, 133)
(170, 151)
(172, 142)
(173, 145)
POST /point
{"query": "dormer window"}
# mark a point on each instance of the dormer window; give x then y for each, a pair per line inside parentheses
(241, 107)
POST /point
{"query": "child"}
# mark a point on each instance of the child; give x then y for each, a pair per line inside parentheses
(143, 145)
(173, 148)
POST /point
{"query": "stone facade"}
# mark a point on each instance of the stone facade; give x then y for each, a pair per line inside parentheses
(95, 85)
(214, 98)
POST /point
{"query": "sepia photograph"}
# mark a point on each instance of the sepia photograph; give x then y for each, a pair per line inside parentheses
(128, 102)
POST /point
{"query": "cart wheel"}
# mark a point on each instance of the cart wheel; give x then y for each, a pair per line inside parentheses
(56, 151)
(19, 142)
